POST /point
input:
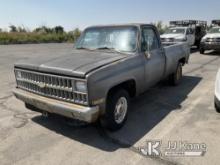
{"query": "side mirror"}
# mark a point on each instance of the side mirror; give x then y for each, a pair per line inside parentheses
(147, 54)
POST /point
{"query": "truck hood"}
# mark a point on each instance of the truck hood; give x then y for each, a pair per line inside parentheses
(172, 36)
(77, 63)
(213, 35)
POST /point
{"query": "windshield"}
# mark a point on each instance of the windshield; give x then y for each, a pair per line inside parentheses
(175, 31)
(123, 39)
(214, 30)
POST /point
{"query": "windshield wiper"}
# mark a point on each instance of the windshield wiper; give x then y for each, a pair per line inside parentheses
(108, 48)
(83, 48)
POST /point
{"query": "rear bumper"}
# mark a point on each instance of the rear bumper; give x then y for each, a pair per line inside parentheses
(210, 45)
(83, 113)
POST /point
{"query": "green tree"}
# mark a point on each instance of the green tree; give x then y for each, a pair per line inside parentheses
(13, 28)
(43, 29)
(58, 29)
(21, 29)
(160, 27)
(76, 33)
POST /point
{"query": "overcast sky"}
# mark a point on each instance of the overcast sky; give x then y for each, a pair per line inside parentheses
(81, 13)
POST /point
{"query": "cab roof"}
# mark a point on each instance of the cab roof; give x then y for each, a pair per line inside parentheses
(121, 25)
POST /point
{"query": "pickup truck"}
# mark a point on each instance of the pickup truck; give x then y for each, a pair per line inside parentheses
(107, 67)
(211, 41)
(179, 34)
(189, 31)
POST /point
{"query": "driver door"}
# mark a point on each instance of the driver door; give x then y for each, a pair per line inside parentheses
(154, 56)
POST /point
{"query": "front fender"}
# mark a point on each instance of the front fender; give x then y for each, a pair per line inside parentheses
(105, 78)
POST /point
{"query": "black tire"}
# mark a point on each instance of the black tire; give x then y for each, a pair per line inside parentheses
(197, 44)
(109, 120)
(201, 50)
(217, 108)
(176, 77)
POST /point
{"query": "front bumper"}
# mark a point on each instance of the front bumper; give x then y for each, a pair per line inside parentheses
(83, 113)
(210, 45)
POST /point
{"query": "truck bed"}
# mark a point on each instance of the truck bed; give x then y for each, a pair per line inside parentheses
(173, 53)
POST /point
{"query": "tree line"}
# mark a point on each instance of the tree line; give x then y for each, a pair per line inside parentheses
(42, 34)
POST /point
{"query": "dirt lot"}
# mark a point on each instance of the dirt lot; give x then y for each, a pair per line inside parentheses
(182, 113)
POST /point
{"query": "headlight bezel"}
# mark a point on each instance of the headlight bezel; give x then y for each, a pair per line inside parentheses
(18, 74)
(80, 86)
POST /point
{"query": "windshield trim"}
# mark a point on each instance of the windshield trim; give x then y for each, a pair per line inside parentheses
(100, 27)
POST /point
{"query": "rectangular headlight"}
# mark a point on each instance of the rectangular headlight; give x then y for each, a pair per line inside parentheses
(81, 86)
(18, 74)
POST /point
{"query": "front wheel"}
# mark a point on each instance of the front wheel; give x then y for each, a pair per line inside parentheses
(217, 108)
(176, 77)
(116, 110)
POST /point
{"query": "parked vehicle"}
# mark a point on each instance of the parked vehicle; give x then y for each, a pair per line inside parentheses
(211, 41)
(190, 31)
(217, 92)
(108, 66)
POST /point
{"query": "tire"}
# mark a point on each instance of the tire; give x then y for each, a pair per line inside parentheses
(197, 44)
(176, 77)
(201, 50)
(113, 119)
(217, 108)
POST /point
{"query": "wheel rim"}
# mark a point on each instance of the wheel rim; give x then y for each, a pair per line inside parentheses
(121, 108)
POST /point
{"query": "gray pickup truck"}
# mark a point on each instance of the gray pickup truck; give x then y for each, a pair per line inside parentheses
(108, 66)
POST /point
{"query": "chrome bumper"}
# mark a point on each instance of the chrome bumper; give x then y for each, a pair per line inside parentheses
(83, 113)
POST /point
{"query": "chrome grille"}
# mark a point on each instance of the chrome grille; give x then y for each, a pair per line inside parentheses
(213, 40)
(49, 85)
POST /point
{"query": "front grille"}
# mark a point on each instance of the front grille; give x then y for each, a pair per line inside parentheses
(213, 40)
(169, 39)
(49, 85)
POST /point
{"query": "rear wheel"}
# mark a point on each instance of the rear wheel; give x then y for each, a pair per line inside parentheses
(176, 77)
(116, 110)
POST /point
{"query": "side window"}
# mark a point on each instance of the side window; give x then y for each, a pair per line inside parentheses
(190, 31)
(149, 40)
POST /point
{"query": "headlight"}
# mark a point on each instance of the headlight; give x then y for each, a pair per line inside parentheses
(18, 74)
(81, 86)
